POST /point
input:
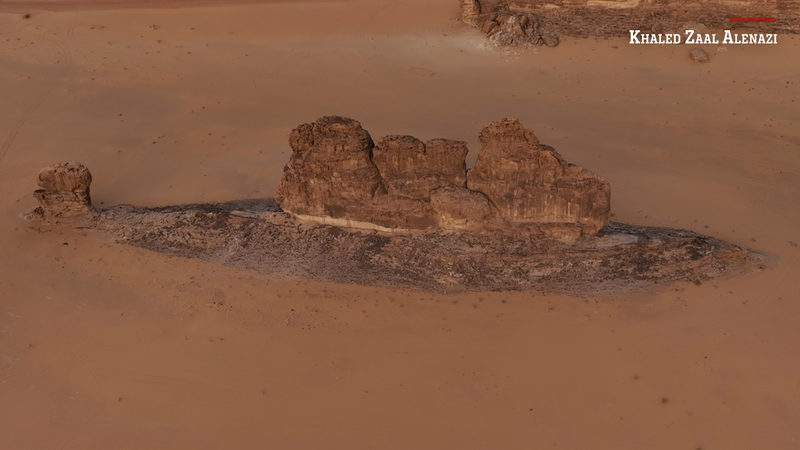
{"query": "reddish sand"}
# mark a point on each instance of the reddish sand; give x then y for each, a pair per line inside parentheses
(110, 347)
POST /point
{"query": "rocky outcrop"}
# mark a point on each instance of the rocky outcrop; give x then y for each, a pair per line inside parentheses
(523, 5)
(338, 176)
(507, 28)
(530, 183)
(494, 255)
(515, 23)
(256, 235)
(517, 188)
(470, 11)
(64, 191)
(330, 172)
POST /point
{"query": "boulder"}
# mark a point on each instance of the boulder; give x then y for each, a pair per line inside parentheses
(503, 18)
(698, 55)
(515, 27)
(501, 38)
(550, 39)
(488, 27)
(657, 28)
(64, 190)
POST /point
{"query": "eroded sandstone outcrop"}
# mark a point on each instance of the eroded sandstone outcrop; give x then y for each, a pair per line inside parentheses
(470, 11)
(515, 23)
(412, 169)
(518, 187)
(258, 235)
(64, 191)
(330, 172)
(531, 184)
(331, 177)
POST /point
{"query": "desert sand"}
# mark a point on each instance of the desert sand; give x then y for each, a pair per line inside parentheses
(108, 346)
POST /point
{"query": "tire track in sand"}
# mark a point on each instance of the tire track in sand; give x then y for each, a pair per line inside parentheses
(26, 115)
(78, 358)
(378, 20)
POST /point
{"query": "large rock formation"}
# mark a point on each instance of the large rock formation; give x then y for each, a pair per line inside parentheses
(518, 187)
(541, 22)
(64, 190)
(530, 183)
(330, 172)
(522, 5)
(517, 172)
(331, 176)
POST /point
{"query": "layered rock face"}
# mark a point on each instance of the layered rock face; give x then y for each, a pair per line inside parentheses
(459, 208)
(470, 11)
(517, 188)
(412, 169)
(338, 175)
(330, 172)
(529, 183)
(64, 190)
